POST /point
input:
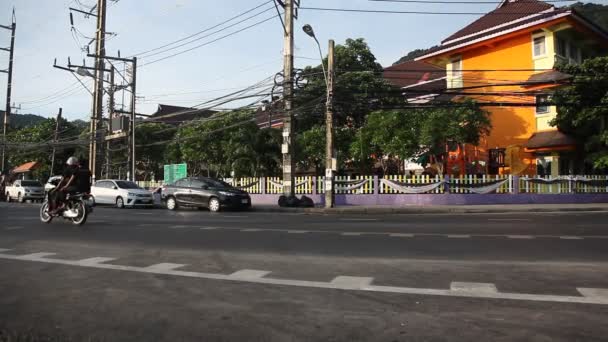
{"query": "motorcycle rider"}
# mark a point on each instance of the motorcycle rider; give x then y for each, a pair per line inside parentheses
(74, 179)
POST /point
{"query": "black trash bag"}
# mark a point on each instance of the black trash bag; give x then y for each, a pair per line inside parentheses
(291, 201)
(306, 202)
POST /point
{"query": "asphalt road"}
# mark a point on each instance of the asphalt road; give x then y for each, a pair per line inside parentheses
(155, 275)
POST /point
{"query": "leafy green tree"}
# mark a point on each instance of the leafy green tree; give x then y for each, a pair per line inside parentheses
(582, 108)
(151, 151)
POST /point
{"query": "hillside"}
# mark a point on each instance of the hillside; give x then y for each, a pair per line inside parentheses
(594, 12)
(23, 120)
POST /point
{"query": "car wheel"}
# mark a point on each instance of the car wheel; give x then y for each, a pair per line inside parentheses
(120, 203)
(8, 197)
(20, 198)
(214, 204)
(171, 203)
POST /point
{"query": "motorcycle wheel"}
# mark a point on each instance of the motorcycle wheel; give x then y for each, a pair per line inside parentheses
(44, 213)
(83, 213)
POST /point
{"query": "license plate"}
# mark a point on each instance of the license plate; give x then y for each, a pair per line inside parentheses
(244, 201)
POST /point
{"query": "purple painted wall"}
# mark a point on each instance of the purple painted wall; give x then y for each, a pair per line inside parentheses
(445, 199)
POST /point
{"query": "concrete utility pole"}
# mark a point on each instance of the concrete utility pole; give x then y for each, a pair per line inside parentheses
(132, 125)
(100, 51)
(329, 130)
(55, 138)
(110, 114)
(9, 85)
(288, 134)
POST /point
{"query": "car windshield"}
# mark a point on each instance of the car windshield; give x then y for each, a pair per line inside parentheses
(127, 185)
(214, 183)
(30, 183)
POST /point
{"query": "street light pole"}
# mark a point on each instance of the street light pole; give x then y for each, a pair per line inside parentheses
(329, 130)
(329, 117)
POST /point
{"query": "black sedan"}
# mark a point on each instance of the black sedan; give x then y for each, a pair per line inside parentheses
(202, 192)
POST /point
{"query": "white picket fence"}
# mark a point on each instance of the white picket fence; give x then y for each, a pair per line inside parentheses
(365, 185)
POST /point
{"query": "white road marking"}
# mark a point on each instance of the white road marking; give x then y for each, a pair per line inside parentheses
(208, 228)
(591, 296)
(352, 282)
(571, 237)
(458, 236)
(358, 219)
(164, 266)
(297, 231)
(249, 274)
(93, 261)
(350, 234)
(520, 236)
(35, 256)
(593, 293)
(179, 226)
(251, 230)
(235, 216)
(473, 287)
(401, 235)
(509, 219)
(4, 250)
(13, 228)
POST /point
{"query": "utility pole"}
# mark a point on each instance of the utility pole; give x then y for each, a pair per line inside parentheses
(288, 122)
(55, 138)
(329, 130)
(100, 51)
(132, 125)
(9, 85)
(110, 114)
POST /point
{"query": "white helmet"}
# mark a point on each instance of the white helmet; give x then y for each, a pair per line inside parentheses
(72, 161)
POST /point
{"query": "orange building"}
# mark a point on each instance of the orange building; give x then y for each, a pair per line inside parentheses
(506, 59)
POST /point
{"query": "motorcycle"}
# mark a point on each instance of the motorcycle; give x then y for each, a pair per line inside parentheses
(77, 209)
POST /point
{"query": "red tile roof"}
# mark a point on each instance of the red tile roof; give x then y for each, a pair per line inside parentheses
(508, 12)
(29, 166)
(497, 31)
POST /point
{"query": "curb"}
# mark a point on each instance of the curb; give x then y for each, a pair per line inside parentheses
(429, 210)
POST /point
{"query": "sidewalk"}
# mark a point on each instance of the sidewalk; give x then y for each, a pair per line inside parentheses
(439, 209)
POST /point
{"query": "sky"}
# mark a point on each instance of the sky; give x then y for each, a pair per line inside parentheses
(218, 68)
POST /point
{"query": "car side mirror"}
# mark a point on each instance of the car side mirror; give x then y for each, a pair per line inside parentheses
(205, 187)
(115, 187)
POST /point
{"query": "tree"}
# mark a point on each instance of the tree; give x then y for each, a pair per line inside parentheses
(392, 136)
(150, 150)
(582, 109)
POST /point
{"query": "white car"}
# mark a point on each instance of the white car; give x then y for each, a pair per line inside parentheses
(22, 190)
(121, 194)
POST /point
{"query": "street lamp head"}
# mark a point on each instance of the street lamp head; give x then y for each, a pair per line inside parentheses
(83, 72)
(308, 30)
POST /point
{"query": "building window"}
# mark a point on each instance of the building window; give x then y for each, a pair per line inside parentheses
(456, 73)
(539, 46)
(542, 106)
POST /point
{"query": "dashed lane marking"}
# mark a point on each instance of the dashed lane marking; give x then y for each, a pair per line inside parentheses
(350, 234)
(179, 226)
(458, 236)
(96, 260)
(164, 266)
(297, 231)
(571, 237)
(209, 228)
(248, 230)
(358, 219)
(509, 219)
(347, 283)
(401, 235)
(13, 228)
(473, 287)
(520, 236)
(249, 274)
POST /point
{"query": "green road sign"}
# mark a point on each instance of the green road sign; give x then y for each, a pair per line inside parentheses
(174, 172)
